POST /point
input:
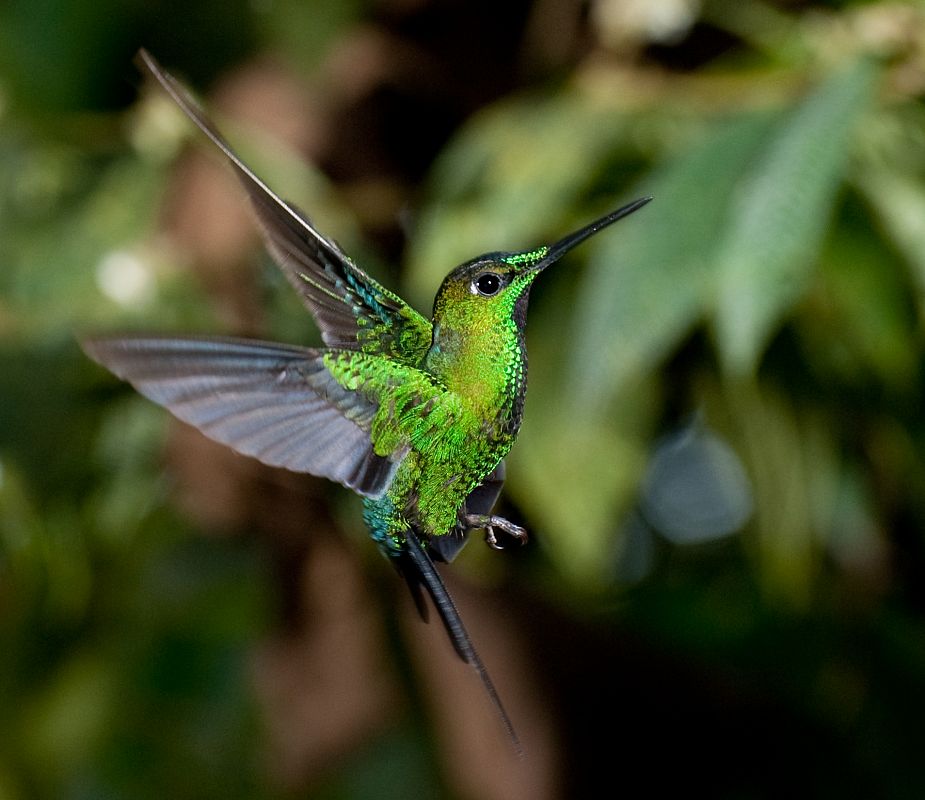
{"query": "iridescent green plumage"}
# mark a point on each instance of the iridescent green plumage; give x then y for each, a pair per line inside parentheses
(414, 415)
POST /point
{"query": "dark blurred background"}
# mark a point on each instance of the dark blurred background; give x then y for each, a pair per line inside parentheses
(722, 459)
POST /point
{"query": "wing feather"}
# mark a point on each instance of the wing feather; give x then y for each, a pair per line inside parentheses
(353, 311)
(275, 402)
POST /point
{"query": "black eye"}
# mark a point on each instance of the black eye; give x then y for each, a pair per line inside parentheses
(487, 284)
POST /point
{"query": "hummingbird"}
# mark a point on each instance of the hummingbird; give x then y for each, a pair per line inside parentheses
(413, 414)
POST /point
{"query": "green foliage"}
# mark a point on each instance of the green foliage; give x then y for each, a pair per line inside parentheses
(779, 215)
(644, 291)
(772, 295)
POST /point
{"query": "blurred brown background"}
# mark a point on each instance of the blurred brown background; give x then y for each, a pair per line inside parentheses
(721, 464)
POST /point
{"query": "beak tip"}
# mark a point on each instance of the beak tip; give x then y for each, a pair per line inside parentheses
(556, 251)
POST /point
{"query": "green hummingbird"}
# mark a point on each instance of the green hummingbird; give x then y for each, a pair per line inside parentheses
(414, 415)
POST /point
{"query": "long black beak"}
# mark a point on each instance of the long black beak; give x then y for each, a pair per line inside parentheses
(565, 244)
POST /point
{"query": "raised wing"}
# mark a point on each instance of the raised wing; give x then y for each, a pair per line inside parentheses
(275, 402)
(352, 310)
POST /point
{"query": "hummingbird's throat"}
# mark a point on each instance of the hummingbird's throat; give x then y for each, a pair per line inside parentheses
(486, 368)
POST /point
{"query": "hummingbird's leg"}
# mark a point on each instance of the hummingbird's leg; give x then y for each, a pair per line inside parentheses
(489, 522)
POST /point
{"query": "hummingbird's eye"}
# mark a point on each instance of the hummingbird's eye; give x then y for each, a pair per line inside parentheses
(487, 284)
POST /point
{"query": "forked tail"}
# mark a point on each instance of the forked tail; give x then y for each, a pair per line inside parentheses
(424, 574)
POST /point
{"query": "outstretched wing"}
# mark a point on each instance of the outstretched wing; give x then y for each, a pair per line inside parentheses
(352, 310)
(275, 402)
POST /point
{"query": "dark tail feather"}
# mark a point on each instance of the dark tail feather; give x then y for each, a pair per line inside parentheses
(425, 575)
(412, 575)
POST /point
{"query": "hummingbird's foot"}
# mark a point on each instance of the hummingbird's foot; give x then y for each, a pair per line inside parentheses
(490, 523)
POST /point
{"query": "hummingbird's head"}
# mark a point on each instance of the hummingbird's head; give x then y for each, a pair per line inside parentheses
(494, 287)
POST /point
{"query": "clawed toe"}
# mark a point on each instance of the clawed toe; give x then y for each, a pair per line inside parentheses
(491, 524)
(491, 539)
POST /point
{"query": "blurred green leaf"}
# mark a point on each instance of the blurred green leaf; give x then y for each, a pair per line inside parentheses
(788, 459)
(780, 214)
(891, 178)
(68, 719)
(862, 293)
(64, 216)
(306, 38)
(647, 281)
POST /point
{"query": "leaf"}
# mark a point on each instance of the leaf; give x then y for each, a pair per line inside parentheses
(56, 235)
(645, 282)
(900, 202)
(791, 458)
(862, 295)
(780, 215)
